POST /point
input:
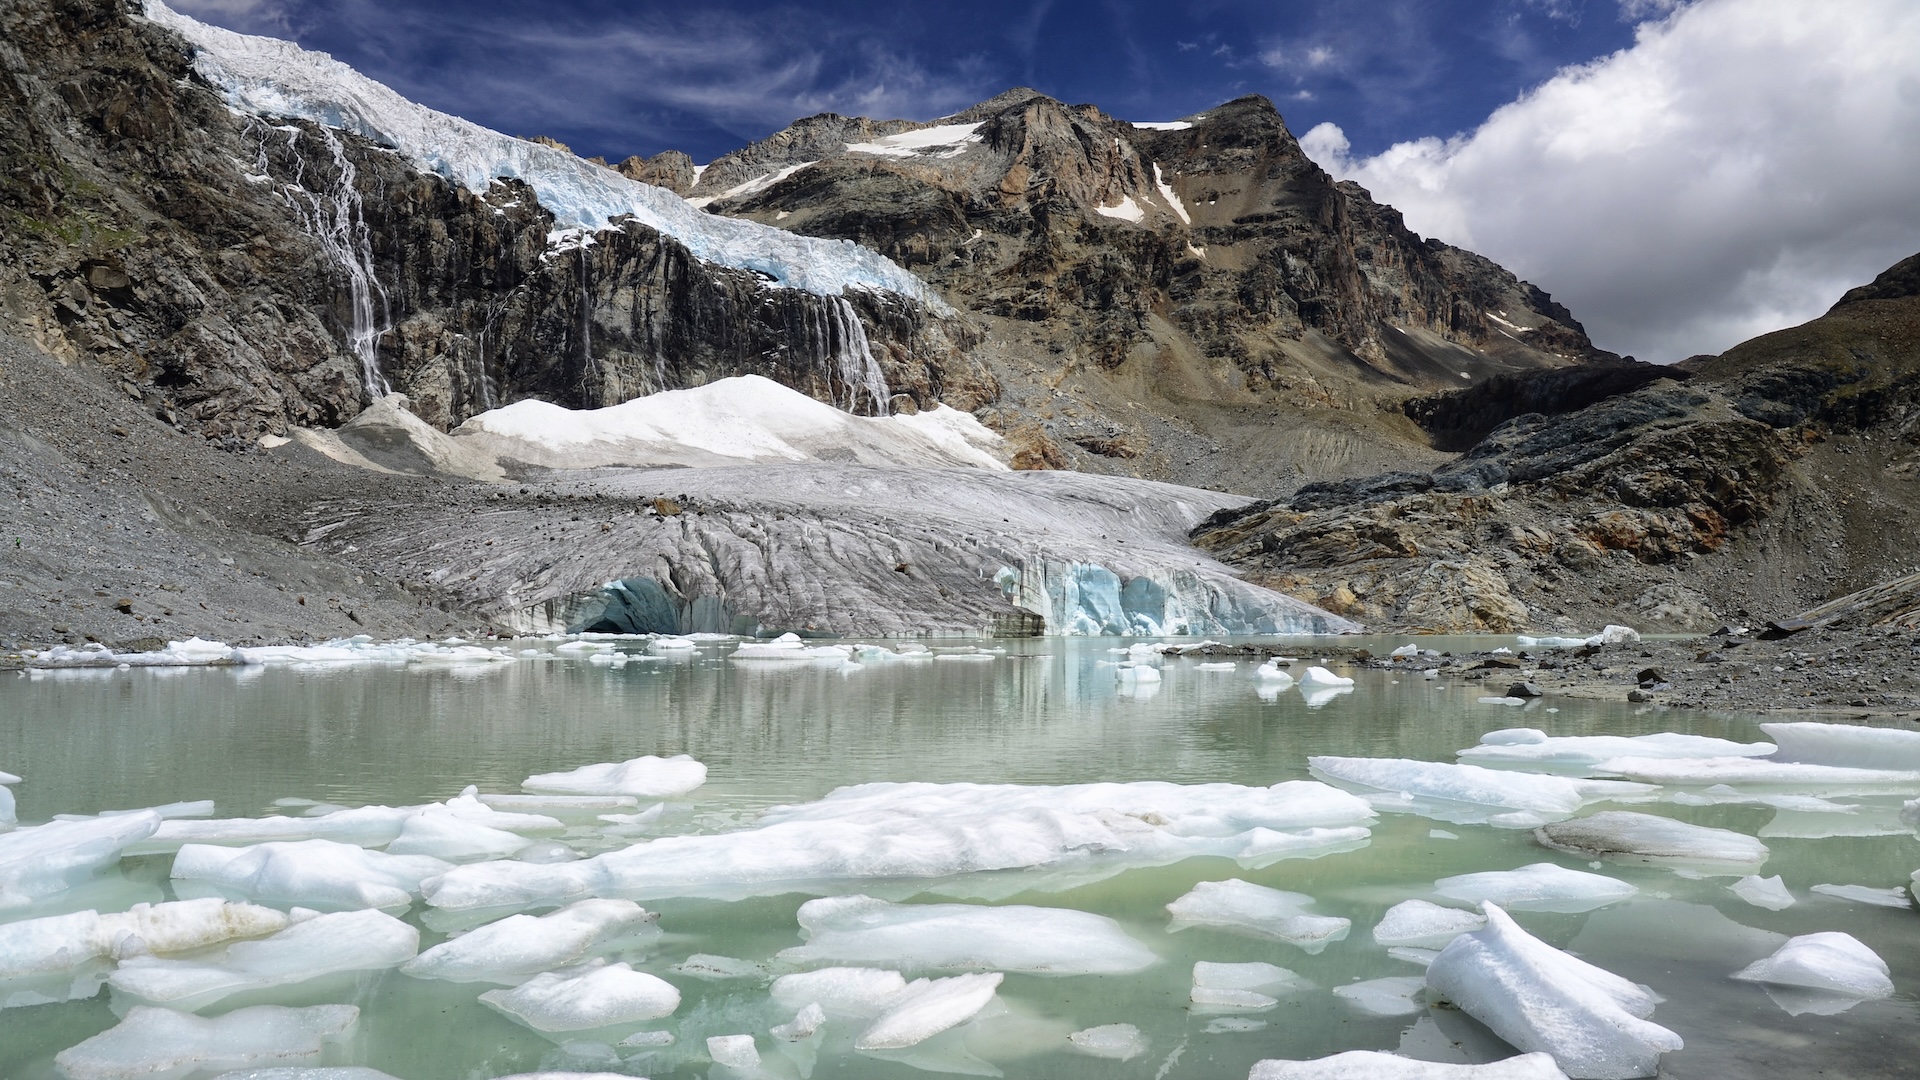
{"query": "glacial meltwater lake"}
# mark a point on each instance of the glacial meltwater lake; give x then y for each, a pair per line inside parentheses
(1040, 712)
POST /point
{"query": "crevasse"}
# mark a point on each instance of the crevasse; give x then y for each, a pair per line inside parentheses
(267, 77)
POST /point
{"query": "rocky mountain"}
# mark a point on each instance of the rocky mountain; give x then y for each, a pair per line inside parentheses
(1193, 300)
(1778, 474)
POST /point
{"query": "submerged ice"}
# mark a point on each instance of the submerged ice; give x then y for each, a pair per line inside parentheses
(960, 937)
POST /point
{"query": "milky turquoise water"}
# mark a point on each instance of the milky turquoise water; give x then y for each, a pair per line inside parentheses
(1047, 712)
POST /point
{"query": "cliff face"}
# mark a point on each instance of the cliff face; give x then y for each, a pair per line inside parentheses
(242, 274)
(1165, 299)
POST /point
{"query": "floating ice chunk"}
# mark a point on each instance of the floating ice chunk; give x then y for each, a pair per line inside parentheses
(1538, 998)
(1549, 642)
(1722, 794)
(598, 998)
(191, 808)
(361, 826)
(1243, 906)
(308, 1073)
(804, 1025)
(315, 873)
(1144, 673)
(42, 860)
(444, 834)
(1318, 676)
(925, 830)
(1424, 925)
(647, 777)
(161, 1044)
(1538, 887)
(571, 807)
(733, 1051)
(1253, 985)
(1769, 892)
(1509, 747)
(1831, 961)
(719, 968)
(841, 991)
(1224, 665)
(1411, 955)
(1272, 676)
(1115, 1042)
(66, 957)
(928, 1007)
(1425, 783)
(1615, 635)
(1375, 1065)
(1743, 770)
(1515, 702)
(1846, 745)
(1267, 846)
(1866, 894)
(1405, 651)
(1910, 814)
(323, 945)
(1633, 837)
(947, 937)
(1391, 996)
(518, 947)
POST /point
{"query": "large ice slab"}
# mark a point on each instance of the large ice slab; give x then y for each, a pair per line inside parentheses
(584, 1001)
(1255, 909)
(1761, 771)
(1846, 745)
(319, 946)
(1419, 924)
(514, 949)
(647, 777)
(1594, 1023)
(42, 860)
(1375, 1065)
(840, 991)
(1448, 791)
(1537, 887)
(313, 873)
(959, 937)
(63, 957)
(928, 1007)
(1530, 746)
(1624, 835)
(161, 1044)
(874, 831)
(271, 78)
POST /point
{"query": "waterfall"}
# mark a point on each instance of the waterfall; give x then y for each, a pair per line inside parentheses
(334, 218)
(854, 367)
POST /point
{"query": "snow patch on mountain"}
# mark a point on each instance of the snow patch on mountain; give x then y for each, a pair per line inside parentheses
(951, 139)
(267, 77)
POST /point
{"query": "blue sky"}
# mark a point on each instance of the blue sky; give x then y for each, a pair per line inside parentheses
(617, 78)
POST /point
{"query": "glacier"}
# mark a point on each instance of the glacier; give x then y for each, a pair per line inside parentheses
(270, 78)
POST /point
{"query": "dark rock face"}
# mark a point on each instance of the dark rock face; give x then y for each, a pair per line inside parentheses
(1459, 419)
(245, 276)
(1779, 473)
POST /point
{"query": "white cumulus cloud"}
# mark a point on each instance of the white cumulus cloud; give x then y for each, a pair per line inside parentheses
(1734, 171)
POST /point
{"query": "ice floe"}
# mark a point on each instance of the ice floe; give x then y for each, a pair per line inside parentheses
(1894, 897)
(1395, 995)
(1254, 985)
(1846, 745)
(65, 957)
(320, 874)
(162, 1044)
(958, 937)
(1471, 793)
(1115, 1042)
(1594, 1023)
(1768, 892)
(1423, 925)
(1535, 748)
(928, 1007)
(1375, 1065)
(1537, 887)
(1831, 965)
(647, 777)
(1317, 677)
(841, 991)
(1624, 835)
(324, 945)
(1746, 770)
(1244, 907)
(936, 830)
(591, 1000)
(41, 860)
(514, 949)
